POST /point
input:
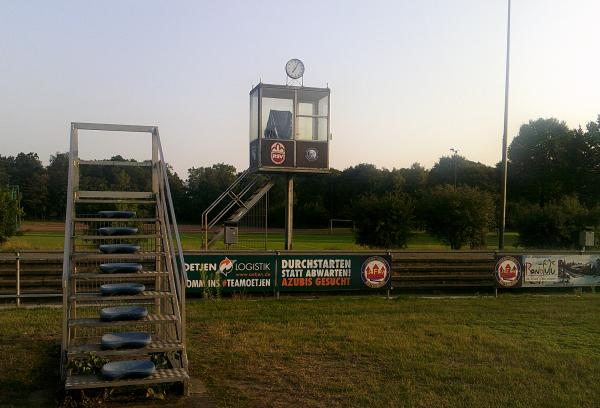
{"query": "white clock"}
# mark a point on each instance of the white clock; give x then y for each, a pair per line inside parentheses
(294, 68)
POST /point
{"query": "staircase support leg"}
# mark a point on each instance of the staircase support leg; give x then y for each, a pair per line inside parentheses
(289, 213)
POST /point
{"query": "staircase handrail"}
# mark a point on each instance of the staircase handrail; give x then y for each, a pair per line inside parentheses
(228, 207)
(204, 221)
(181, 278)
(68, 244)
(218, 199)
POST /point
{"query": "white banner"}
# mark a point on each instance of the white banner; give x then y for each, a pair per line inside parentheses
(561, 270)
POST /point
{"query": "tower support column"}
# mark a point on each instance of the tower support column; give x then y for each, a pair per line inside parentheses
(289, 213)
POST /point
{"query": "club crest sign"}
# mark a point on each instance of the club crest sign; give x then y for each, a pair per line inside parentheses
(508, 271)
(277, 153)
(311, 154)
(375, 272)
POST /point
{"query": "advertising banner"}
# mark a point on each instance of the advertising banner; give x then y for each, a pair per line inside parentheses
(230, 273)
(333, 272)
(560, 270)
(535, 271)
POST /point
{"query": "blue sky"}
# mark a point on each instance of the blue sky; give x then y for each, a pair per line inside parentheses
(409, 79)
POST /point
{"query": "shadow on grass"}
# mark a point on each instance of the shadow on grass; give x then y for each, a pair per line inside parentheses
(30, 372)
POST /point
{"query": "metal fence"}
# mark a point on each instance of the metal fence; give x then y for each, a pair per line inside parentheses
(36, 275)
(30, 275)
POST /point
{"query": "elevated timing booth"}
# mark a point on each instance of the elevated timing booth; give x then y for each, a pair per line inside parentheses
(289, 129)
(289, 135)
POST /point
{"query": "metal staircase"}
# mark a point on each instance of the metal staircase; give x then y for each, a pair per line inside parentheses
(154, 260)
(235, 202)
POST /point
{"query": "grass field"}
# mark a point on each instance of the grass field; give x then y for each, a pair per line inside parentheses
(38, 237)
(513, 351)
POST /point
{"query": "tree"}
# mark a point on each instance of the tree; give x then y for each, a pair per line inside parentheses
(312, 208)
(9, 211)
(468, 173)
(415, 178)
(383, 221)
(178, 193)
(555, 225)
(58, 173)
(588, 144)
(355, 181)
(458, 216)
(29, 174)
(546, 160)
(205, 184)
(116, 178)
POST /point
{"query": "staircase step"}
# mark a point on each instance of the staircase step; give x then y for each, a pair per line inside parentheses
(132, 339)
(106, 219)
(123, 267)
(96, 322)
(77, 382)
(113, 201)
(117, 231)
(136, 275)
(115, 163)
(154, 347)
(92, 297)
(119, 248)
(122, 289)
(116, 370)
(105, 237)
(115, 194)
(116, 214)
(96, 256)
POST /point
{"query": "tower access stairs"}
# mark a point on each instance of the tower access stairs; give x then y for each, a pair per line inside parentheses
(123, 281)
(233, 204)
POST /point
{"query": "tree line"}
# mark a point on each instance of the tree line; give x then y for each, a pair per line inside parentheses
(552, 191)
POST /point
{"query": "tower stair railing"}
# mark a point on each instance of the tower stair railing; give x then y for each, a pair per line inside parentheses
(235, 202)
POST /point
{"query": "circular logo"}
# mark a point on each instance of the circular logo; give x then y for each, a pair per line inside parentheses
(375, 272)
(508, 271)
(277, 153)
(311, 154)
(226, 266)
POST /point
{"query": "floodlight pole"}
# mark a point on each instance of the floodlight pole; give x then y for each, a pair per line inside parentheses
(289, 212)
(505, 137)
(455, 154)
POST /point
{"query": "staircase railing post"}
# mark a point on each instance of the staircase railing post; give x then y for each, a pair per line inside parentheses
(18, 263)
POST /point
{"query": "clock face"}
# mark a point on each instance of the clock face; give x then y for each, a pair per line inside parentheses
(294, 68)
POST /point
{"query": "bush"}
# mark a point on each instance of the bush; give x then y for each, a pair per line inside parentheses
(9, 211)
(555, 225)
(458, 216)
(383, 221)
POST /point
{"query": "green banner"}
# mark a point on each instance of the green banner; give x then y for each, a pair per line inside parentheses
(333, 272)
(230, 273)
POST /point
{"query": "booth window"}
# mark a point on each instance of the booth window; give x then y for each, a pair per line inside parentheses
(277, 114)
(254, 116)
(313, 113)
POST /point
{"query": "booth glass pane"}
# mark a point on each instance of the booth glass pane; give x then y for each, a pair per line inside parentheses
(312, 129)
(322, 129)
(305, 125)
(323, 106)
(254, 116)
(277, 118)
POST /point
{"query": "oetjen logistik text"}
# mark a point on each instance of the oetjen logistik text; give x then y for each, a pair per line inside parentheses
(293, 272)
